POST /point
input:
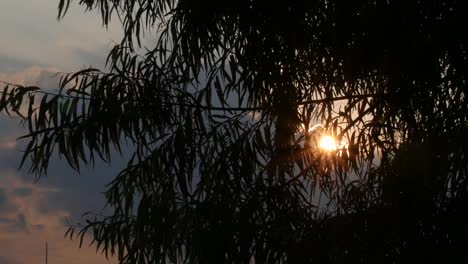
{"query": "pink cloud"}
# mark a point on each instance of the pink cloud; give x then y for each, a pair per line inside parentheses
(43, 77)
(25, 228)
(7, 143)
(34, 75)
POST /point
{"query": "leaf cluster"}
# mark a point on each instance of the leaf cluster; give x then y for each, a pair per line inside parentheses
(217, 112)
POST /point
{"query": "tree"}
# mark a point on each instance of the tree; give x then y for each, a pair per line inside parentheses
(217, 112)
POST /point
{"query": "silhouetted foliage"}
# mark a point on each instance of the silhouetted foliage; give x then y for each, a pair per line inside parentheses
(217, 109)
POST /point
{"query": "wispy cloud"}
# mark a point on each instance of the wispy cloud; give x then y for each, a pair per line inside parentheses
(7, 143)
(25, 226)
(30, 31)
(34, 75)
(34, 46)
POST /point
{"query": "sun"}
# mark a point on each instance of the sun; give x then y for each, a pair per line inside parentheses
(327, 143)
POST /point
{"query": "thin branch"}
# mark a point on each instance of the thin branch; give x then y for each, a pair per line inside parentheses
(228, 109)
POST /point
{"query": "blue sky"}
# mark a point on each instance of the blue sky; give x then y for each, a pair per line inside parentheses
(33, 46)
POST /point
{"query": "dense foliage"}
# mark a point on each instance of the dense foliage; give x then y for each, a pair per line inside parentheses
(217, 108)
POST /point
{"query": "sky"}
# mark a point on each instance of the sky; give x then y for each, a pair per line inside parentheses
(34, 46)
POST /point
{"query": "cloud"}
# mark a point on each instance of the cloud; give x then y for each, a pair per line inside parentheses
(4, 205)
(23, 191)
(31, 214)
(10, 127)
(7, 143)
(33, 76)
(37, 36)
(3, 260)
(10, 64)
(43, 77)
(25, 228)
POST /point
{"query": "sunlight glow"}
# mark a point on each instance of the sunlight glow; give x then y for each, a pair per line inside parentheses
(327, 143)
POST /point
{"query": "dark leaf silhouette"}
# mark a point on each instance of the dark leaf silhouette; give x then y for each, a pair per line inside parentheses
(222, 112)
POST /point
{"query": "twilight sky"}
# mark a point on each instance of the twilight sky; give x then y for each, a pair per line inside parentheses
(33, 46)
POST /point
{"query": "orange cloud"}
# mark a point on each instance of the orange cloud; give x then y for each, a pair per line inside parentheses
(7, 143)
(25, 227)
(42, 77)
(34, 75)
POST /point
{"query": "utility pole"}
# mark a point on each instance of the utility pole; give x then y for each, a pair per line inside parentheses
(46, 253)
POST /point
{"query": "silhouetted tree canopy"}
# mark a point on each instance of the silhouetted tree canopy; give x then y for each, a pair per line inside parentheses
(217, 103)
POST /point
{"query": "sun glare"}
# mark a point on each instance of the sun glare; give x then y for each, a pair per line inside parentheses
(327, 143)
